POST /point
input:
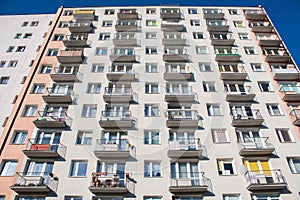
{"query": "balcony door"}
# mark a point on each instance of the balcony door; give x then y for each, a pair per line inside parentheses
(60, 89)
(115, 138)
(250, 138)
(112, 169)
(117, 111)
(241, 111)
(38, 168)
(47, 138)
(183, 140)
(186, 173)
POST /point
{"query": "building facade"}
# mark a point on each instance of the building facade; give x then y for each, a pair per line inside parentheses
(181, 103)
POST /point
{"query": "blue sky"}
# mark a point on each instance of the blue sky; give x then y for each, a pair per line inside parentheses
(284, 14)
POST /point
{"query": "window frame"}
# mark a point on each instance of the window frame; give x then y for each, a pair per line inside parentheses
(75, 167)
(149, 135)
(10, 169)
(216, 139)
(19, 137)
(151, 171)
(89, 112)
(223, 162)
(84, 137)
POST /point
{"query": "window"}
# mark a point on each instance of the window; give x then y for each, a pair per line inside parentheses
(73, 198)
(104, 36)
(34, 23)
(12, 63)
(192, 11)
(63, 24)
(31, 198)
(68, 12)
(233, 11)
(2, 197)
(23, 79)
(209, 86)
(58, 37)
(18, 36)
(219, 135)
(38, 88)
(10, 49)
(250, 51)
(150, 22)
(226, 167)
(151, 35)
(151, 137)
(273, 109)
(45, 69)
(4, 80)
(205, 67)
(198, 35)
(100, 51)
(2, 63)
(27, 35)
(8, 167)
(15, 99)
(152, 169)
(52, 52)
(151, 50)
(284, 135)
(201, 50)
(257, 67)
(25, 23)
(244, 36)
(93, 88)
(38, 48)
(231, 196)
(264, 197)
(239, 24)
(107, 23)
(150, 10)
(97, 68)
(151, 88)
(151, 110)
(89, 111)
(109, 12)
(31, 63)
(264, 86)
(151, 67)
(78, 168)
(19, 137)
(29, 111)
(84, 137)
(213, 110)
(294, 164)
(195, 22)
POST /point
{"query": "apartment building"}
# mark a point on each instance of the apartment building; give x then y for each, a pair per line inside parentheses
(20, 40)
(156, 103)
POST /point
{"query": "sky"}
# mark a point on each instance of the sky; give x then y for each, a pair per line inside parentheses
(285, 15)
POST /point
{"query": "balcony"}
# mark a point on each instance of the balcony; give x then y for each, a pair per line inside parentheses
(128, 14)
(170, 14)
(253, 118)
(261, 27)
(217, 25)
(123, 55)
(84, 14)
(34, 183)
(268, 40)
(227, 57)
(233, 72)
(222, 39)
(267, 180)
(52, 119)
(121, 73)
(113, 150)
(118, 95)
(80, 26)
(65, 74)
(186, 149)
(255, 15)
(70, 56)
(175, 55)
(75, 40)
(288, 74)
(178, 118)
(171, 26)
(127, 39)
(60, 95)
(189, 183)
(172, 74)
(117, 120)
(240, 96)
(213, 14)
(180, 41)
(290, 93)
(255, 146)
(106, 184)
(295, 114)
(44, 151)
(278, 55)
(127, 26)
(185, 94)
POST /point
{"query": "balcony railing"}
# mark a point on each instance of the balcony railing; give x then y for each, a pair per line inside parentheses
(61, 95)
(128, 14)
(186, 183)
(240, 96)
(123, 55)
(66, 74)
(222, 39)
(112, 119)
(34, 183)
(53, 119)
(255, 146)
(111, 184)
(265, 180)
(186, 148)
(269, 40)
(123, 39)
(170, 13)
(252, 118)
(286, 74)
(75, 40)
(261, 27)
(37, 150)
(124, 73)
(118, 95)
(176, 56)
(290, 93)
(295, 113)
(80, 26)
(233, 72)
(213, 14)
(177, 73)
(217, 25)
(171, 26)
(84, 14)
(182, 118)
(127, 26)
(255, 14)
(185, 94)
(70, 56)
